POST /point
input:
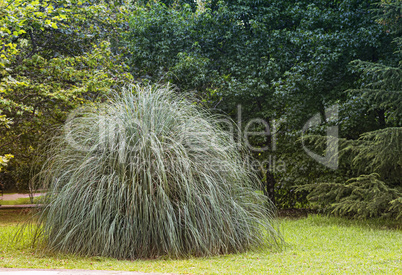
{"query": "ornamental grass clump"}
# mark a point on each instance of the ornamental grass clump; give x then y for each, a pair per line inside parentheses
(150, 174)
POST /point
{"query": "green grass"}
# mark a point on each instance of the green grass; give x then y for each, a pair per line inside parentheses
(15, 202)
(18, 201)
(317, 245)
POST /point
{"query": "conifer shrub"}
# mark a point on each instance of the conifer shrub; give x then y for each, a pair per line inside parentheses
(365, 196)
(376, 192)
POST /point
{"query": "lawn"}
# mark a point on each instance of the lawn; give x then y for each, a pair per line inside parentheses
(17, 201)
(316, 244)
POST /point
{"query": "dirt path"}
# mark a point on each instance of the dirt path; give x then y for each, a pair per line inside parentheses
(11, 197)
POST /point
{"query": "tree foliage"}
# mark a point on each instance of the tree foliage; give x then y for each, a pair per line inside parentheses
(363, 197)
(281, 60)
(55, 56)
(376, 155)
(284, 62)
(4, 160)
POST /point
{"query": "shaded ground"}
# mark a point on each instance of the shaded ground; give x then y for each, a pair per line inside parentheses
(295, 212)
(13, 216)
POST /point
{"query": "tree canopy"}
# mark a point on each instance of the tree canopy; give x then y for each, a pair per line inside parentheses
(56, 56)
(283, 62)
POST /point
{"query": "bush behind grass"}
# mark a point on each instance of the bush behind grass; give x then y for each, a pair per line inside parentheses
(150, 174)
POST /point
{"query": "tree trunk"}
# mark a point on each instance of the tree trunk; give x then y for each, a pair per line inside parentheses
(269, 189)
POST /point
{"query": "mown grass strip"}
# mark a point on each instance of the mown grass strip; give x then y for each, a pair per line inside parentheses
(316, 244)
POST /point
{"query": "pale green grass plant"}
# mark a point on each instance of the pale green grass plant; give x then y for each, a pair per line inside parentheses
(150, 174)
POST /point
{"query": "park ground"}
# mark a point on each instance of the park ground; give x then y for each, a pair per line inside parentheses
(315, 244)
(18, 198)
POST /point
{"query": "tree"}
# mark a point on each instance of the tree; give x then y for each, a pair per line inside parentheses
(55, 56)
(376, 155)
(4, 124)
(281, 60)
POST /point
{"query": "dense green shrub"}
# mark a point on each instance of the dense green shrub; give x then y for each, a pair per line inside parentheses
(150, 174)
(363, 197)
